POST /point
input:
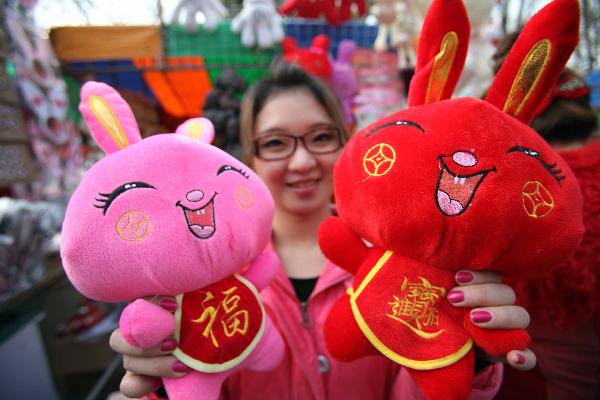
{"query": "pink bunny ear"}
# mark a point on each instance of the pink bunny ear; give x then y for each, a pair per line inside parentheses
(536, 60)
(197, 128)
(441, 54)
(346, 49)
(109, 117)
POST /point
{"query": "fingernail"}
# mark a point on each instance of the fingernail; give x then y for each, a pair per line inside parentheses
(456, 296)
(481, 316)
(169, 305)
(463, 277)
(520, 359)
(178, 366)
(168, 345)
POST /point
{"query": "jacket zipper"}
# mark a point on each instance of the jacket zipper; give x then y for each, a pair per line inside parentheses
(304, 313)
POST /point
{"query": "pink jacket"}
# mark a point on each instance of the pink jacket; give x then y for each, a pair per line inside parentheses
(307, 372)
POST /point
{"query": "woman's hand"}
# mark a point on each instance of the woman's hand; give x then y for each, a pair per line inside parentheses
(146, 366)
(495, 308)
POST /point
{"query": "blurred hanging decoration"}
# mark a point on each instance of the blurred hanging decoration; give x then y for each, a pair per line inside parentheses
(315, 9)
(343, 78)
(311, 9)
(396, 30)
(259, 23)
(212, 11)
(54, 139)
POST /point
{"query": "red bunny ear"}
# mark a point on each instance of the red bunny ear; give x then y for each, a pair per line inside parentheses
(443, 44)
(320, 43)
(536, 60)
(289, 45)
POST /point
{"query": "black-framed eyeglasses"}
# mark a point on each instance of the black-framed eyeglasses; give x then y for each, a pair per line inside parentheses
(278, 146)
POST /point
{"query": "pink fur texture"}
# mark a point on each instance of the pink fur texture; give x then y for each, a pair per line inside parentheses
(169, 215)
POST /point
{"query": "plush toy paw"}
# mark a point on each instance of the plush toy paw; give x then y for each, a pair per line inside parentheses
(144, 324)
(259, 22)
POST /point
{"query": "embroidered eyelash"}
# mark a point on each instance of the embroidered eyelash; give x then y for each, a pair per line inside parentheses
(110, 197)
(106, 202)
(230, 168)
(395, 123)
(554, 171)
(551, 168)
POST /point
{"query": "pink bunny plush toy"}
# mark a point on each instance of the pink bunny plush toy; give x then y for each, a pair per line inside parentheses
(174, 215)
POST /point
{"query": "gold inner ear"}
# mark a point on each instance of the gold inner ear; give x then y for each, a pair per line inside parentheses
(529, 74)
(194, 129)
(107, 118)
(442, 65)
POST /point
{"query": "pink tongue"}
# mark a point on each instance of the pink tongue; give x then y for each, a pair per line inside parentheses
(202, 231)
(449, 206)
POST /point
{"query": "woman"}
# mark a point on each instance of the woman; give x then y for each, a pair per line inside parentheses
(292, 133)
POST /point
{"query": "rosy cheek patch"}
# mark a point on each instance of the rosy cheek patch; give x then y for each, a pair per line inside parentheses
(133, 226)
(244, 197)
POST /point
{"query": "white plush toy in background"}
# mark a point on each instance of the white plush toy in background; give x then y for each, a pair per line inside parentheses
(259, 21)
(213, 11)
(395, 30)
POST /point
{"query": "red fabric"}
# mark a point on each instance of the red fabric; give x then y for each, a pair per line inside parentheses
(219, 322)
(298, 378)
(559, 24)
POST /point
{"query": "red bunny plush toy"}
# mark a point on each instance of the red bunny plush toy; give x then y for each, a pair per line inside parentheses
(314, 59)
(449, 184)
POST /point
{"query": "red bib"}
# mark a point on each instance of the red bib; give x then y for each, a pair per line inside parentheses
(406, 316)
(219, 325)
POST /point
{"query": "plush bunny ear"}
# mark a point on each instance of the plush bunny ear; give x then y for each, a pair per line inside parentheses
(109, 117)
(320, 44)
(289, 45)
(441, 54)
(197, 128)
(536, 60)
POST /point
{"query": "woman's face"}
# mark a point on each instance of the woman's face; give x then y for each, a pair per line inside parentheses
(302, 183)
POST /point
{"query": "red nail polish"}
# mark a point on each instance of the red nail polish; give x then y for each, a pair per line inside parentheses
(168, 345)
(463, 277)
(178, 366)
(481, 316)
(455, 296)
(169, 305)
(520, 359)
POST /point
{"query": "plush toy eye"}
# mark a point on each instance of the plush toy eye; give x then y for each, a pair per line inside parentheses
(108, 198)
(226, 168)
(551, 168)
(394, 123)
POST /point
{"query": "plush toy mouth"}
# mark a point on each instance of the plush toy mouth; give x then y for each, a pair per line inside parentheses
(201, 221)
(454, 192)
